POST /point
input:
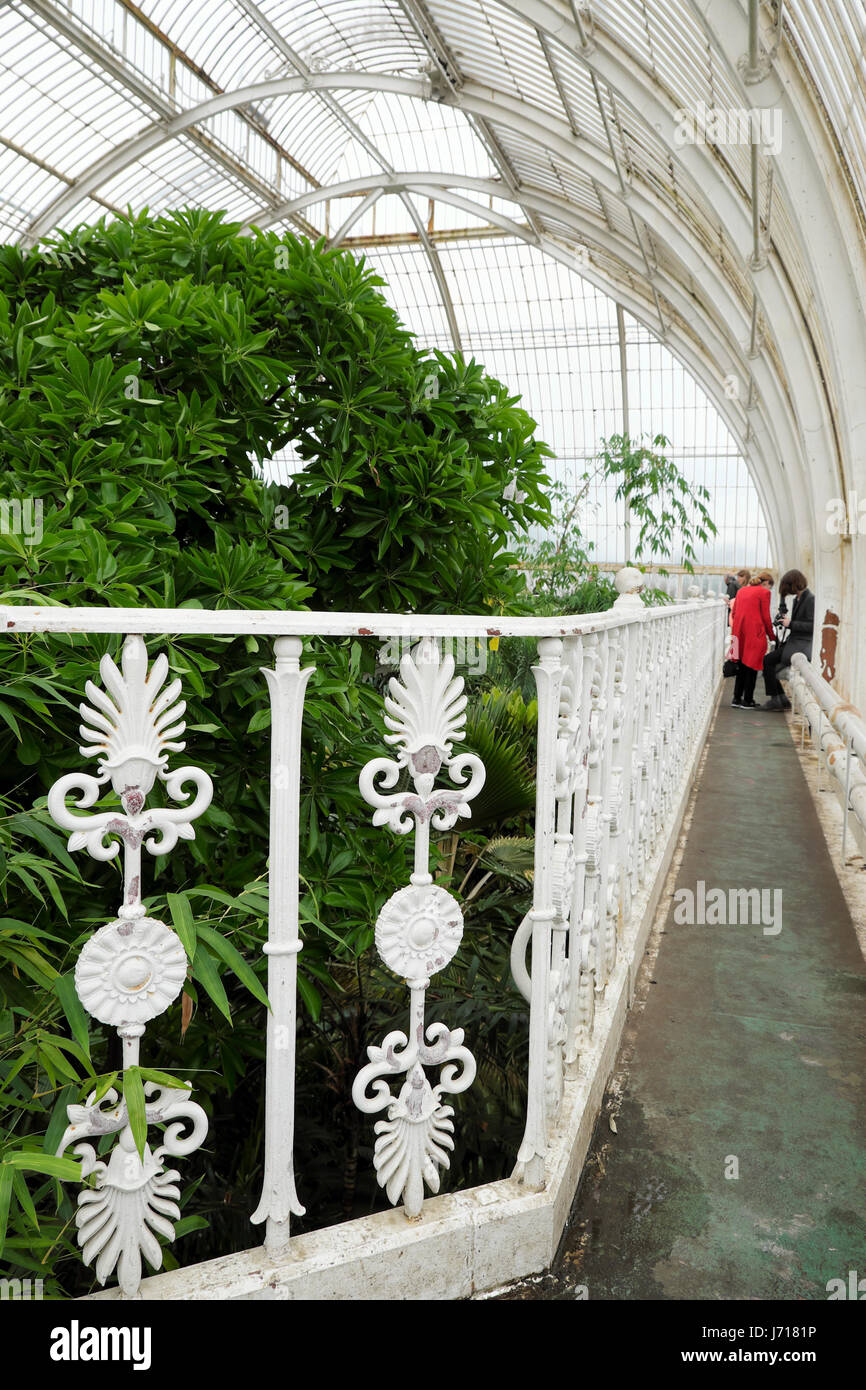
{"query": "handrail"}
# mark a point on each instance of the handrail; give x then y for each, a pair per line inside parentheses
(236, 622)
(844, 716)
(841, 735)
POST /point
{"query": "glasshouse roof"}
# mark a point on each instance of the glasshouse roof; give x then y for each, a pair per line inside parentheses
(700, 162)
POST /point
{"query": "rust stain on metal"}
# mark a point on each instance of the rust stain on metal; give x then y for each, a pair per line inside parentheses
(493, 632)
(829, 638)
(365, 632)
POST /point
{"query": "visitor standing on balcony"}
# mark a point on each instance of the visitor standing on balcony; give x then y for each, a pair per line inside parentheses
(734, 584)
(799, 623)
(751, 626)
(731, 592)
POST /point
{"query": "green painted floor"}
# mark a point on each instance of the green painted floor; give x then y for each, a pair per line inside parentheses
(748, 1047)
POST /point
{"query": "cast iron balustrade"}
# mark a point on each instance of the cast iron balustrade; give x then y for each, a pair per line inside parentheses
(623, 700)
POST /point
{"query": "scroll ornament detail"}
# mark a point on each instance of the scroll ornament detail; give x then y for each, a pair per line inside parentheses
(425, 714)
(568, 737)
(564, 870)
(583, 997)
(131, 731)
(419, 928)
(557, 1037)
(132, 969)
(135, 1198)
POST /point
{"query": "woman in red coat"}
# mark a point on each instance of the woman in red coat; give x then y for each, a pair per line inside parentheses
(751, 626)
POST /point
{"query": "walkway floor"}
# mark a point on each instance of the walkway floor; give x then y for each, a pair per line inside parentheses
(746, 1046)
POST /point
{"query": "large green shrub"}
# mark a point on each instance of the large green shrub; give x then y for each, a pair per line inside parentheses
(147, 368)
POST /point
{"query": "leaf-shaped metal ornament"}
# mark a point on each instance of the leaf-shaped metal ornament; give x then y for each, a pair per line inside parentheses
(413, 1142)
(119, 1220)
(426, 711)
(130, 727)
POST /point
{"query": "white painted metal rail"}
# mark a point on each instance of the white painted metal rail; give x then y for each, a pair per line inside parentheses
(624, 698)
(838, 736)
(237, 622)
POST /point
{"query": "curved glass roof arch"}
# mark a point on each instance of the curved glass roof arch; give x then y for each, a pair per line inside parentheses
(700, 162)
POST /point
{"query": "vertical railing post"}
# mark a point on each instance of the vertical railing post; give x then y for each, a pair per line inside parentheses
(614, 850)
(637, 756)
(287, 684)
(639, 760)
(848, 748)
(670, 685)
(630, 606)
(651, 739)
(601, 797)
(564, 961)
(580, 653)
(548, 680)
(695, 660)
(685, 691)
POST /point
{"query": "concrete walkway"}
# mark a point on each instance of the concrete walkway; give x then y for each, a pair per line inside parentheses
(745, 1054)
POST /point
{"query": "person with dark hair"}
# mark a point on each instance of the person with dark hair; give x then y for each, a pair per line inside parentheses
(798, 625)
(750, 627)
(733, 584)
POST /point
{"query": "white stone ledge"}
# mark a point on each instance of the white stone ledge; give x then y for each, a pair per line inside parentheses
(464, 1242)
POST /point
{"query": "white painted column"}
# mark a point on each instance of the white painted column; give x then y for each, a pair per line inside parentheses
(548, 681)
(581, 1005)
(287, 684)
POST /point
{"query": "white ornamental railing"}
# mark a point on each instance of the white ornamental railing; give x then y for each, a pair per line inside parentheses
(623, 698)
(838, 733)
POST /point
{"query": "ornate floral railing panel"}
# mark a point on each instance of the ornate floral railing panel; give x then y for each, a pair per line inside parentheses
(133, 968)
(420, 927)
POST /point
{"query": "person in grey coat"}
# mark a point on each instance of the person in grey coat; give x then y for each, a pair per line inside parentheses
(799, 624)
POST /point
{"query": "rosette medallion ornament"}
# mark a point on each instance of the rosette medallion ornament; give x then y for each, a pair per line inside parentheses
(420, 927)
(133, 968)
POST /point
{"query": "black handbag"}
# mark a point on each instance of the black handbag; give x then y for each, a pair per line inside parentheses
(730, 667)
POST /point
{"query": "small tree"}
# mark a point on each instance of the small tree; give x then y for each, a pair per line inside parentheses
(669, 510)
